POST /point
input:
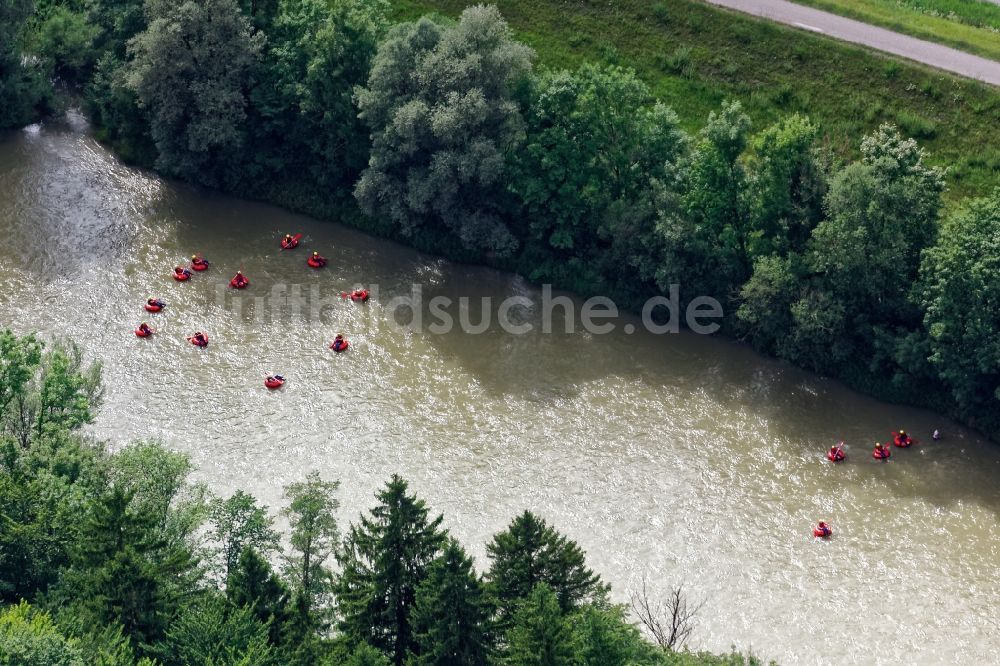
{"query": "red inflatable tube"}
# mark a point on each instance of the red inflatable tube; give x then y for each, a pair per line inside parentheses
(340, 345)
(835, 456)
(898, 440)
(181, 274)
(316, 261)
(290, 243)
(143, 332)
(881, 454)
(199, 341)
(358, 295)
(822, 531)
(199, 264)
(274, 382)
(239, 281)
(153, 307)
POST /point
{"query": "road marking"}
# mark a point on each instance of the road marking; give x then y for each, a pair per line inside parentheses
(808, 27)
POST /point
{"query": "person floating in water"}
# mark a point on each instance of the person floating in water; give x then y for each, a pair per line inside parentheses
(881, 451)
(822, 530)
(239, 281)
(198, 263)
(902, 440)
(836, 452)
(315, 260)
(340, 343)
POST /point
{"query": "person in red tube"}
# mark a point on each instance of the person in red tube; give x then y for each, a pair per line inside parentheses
(822, 530)
(340, 343)
(239, 281)
(881, 451)
(836, 452)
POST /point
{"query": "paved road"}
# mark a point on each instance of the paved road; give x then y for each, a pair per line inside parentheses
(857, 32)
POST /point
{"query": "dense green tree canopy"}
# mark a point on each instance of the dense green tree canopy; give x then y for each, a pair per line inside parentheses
(384, 560)
(314, 535)
(440, 108)
(191, 70)
(595, 143)
(451, 615)
(959, 292)
(530, 552)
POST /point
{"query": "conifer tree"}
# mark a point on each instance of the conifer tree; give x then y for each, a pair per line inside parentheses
(530, 552)
(384, 560)
(541, 635)
(452, 615)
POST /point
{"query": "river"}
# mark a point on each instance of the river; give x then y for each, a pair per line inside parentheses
(678, 458)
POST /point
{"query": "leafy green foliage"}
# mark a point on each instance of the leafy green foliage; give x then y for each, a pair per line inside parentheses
(604, 635)
(238, 524)
(959, 292)
(541, 634)
(67, 37)
(440, 108)
(29, 638)
(191, 70)
(24, 91)
(707, 240)
(595, 143)
(314, 535)
(211, 632)
(254, 584)
(308, 143)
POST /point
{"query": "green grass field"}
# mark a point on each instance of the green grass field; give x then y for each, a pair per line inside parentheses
(970, 25)
(694, 56)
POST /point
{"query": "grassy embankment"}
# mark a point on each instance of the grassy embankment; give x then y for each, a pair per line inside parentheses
(694, 56)
(969, 25)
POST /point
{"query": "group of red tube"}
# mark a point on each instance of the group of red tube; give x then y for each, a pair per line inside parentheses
(239, 281)
(881, 452)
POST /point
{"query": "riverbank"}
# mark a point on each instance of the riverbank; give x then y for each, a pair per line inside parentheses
(693, 56)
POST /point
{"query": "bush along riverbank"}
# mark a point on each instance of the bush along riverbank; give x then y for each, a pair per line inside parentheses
(447, 135)
(117, 559)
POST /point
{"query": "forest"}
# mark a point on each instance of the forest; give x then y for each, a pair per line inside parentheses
(446, 134)
(117, 558)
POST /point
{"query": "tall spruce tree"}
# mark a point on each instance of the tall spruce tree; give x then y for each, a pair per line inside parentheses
(530, 552)
(541, 635)
(124, 572)
(452, 615)
(384, 560)
(253, 583)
